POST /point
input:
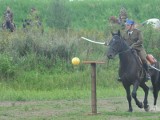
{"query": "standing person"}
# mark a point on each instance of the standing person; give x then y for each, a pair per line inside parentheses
(134, 39)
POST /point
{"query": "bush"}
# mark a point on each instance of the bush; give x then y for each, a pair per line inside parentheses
(7, 70)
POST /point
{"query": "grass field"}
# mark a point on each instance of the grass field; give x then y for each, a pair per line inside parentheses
(109, 108)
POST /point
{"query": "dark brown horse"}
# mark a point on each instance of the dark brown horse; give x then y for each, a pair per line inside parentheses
(8, 24)
(132, 73)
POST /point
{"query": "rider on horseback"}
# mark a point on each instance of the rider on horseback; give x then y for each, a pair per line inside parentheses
(123, 16)
(134, 39)
(9, 13)
(34, 17)
(8, 20)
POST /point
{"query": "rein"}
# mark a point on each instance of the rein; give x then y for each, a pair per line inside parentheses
(127, 50)
(124, 51)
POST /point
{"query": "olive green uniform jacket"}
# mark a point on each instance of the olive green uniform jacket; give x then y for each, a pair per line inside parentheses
(135, 40)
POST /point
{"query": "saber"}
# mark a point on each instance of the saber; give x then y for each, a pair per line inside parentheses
(154, 68)
(101, 43)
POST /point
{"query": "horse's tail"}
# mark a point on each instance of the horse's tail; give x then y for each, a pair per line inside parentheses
(156, 82)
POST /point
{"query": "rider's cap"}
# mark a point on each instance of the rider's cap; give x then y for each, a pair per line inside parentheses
(129, 22)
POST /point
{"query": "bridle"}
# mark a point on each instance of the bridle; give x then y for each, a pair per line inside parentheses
(122, 52)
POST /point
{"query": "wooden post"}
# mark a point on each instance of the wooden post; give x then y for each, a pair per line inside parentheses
(93, 84)
(93, 88)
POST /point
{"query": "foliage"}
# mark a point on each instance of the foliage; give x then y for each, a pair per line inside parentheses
(59, 16)
(7, 69)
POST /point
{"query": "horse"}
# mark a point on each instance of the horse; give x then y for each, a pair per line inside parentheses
(114, 20)
(8, 24)
(132, 72)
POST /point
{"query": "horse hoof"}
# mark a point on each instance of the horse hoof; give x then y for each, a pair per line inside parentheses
(141, 105)
(147, 108)
(130, 110)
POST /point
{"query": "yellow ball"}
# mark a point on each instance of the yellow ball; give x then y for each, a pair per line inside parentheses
(75, 61)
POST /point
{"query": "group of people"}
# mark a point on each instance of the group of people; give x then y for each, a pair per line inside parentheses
(31, 20)
(133, 38)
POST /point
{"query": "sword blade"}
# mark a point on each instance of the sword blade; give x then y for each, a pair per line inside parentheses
(154, 67)
(101, 43)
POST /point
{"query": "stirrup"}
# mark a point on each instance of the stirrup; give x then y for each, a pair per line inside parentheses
(148, 77)
(119, 79)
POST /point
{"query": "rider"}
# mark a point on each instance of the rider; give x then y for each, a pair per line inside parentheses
(123, 16)
(134, 39)
(9, 13)
(34, 16)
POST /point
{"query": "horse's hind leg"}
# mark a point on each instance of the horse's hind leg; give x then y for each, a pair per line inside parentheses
(145, 102)
(134, 95)
(155, 95)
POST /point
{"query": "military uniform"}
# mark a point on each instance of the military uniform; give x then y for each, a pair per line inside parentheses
(122, 17)
(9, 13)
(134, 39)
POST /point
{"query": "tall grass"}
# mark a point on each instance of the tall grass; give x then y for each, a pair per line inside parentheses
(88, 14)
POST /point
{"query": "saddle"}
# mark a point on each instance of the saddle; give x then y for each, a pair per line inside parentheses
(151, 60)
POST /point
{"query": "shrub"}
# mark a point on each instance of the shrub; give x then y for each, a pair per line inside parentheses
(7, 70)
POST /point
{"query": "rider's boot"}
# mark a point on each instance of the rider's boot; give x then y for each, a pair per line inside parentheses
(146, 67)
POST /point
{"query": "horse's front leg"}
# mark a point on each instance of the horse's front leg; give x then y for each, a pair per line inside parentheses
(145, 89)
(134, 94)
(129, 98)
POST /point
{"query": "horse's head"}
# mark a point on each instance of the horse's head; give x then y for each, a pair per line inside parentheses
(116, 45)
(114, 20)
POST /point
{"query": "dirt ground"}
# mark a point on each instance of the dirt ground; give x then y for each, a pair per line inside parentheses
(114, 108)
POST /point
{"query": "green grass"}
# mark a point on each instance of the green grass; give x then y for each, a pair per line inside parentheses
(108, 108)
(8, 94)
